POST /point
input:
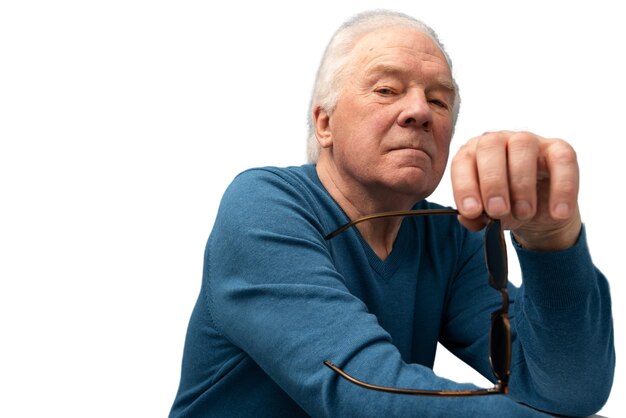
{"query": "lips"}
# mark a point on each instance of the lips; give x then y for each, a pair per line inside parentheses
(411, 148)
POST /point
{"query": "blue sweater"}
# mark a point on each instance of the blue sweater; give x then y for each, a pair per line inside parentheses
(277, 300)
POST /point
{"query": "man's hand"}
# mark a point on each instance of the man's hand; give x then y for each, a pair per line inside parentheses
(528, 182)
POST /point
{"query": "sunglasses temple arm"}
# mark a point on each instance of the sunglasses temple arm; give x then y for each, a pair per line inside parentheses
(497, 390)
(419, 212)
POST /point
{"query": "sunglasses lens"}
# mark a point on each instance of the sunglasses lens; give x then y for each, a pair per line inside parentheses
(495, 255)
(500, 346)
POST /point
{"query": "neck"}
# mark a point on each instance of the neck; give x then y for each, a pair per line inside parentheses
(356, 201)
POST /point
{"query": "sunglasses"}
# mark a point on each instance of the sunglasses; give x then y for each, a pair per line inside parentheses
(500, 331)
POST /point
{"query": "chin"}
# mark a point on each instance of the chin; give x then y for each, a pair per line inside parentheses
(415, 187)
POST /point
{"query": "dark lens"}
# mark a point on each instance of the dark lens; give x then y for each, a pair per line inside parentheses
(500, 346)
(495, 255)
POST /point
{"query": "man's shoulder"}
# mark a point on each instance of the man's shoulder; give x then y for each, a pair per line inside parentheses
(266, 178)
(295, 172)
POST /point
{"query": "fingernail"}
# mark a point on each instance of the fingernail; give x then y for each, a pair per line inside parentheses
(522, 209)
(470, 204)
(562, 210)
(496, 205)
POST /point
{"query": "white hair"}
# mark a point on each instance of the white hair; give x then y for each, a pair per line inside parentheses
(331, 72)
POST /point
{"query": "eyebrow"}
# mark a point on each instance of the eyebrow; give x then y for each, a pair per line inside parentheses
(442, 82)
(446, 83)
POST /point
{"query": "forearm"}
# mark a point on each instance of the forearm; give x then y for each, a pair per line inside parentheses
(563, 322)
(338, 329)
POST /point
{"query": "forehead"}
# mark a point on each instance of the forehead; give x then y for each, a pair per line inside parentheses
(400, 46)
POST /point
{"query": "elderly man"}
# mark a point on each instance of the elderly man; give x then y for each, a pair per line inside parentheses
(289, 312)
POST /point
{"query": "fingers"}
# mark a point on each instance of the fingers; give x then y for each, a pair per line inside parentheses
(516, 177)
(465, 183)
(523, 155)
(493, 176)
(562, 168)
(480, 177)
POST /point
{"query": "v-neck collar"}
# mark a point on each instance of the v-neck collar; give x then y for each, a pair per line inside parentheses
(387, 268)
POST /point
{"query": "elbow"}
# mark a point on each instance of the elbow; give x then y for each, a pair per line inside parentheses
(580, 406)
(577, 395)
(580, 399)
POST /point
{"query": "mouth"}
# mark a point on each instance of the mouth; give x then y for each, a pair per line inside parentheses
(412, 150)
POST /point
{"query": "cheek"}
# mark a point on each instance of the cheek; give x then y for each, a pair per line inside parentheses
(443, 152)
(440, 166)
(380, 119)
(365, 134)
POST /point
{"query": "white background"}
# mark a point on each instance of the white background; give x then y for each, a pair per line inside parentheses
(121, 123)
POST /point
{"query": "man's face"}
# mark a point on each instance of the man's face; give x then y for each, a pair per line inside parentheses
(391, 129)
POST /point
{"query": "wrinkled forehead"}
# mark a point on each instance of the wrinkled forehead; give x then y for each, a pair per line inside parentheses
(396, 43)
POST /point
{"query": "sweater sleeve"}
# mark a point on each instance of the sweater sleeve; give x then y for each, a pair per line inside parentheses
(564, 331)
(563, 356)
(273, 291)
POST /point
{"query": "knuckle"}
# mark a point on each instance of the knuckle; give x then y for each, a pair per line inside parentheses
(464, 154)
(524, 183)
(491, 141)
(491, 176)
(567, 185)
(562, 152)
(523, 141)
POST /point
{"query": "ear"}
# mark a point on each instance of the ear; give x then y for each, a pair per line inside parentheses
(321, 119)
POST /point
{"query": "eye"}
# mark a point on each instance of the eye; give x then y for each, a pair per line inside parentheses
(438, 103)
(385, 91)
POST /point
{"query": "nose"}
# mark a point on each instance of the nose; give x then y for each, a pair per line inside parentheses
(415, 112)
